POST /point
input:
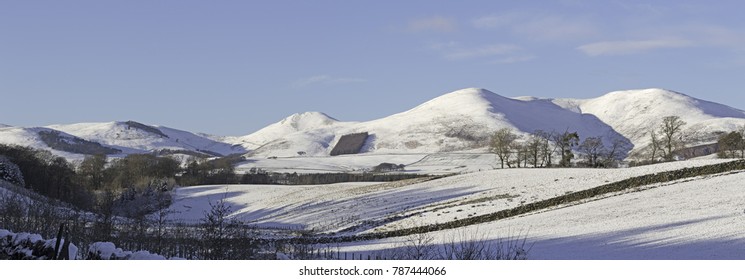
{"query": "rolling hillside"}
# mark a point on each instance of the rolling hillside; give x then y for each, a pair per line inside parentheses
(459, 121)
(698, 217)
(463, 120)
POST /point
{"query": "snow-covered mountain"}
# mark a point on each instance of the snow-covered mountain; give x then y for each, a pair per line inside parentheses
(134, 137)
(464, 119)
(633, 113)
(460, 120)
(115, 139)
(457, 121)
(300, 122)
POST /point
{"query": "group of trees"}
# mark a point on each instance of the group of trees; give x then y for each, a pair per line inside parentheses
(667, 138)
(214, 237)
(667, 142)
(539, 148)
(46, 174)
(214, 171)
(96, 182)
(732, 145)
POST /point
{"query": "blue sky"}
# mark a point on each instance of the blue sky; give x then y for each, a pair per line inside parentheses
(232, 67)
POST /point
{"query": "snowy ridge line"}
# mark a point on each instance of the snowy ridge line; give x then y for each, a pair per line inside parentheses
(618, 186)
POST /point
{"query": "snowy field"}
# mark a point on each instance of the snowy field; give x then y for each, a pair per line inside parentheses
(693, 219)
(698, 218)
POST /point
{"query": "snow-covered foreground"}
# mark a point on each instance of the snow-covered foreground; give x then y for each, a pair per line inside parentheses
(374, 207)
(702, 218)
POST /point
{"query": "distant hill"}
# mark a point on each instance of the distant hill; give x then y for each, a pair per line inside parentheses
(115, 138)
(462, 120)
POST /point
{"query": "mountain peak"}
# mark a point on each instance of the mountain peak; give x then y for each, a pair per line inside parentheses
(307, 120)
(463, 101)
(470, 93)
(649, 93)
(308, 117)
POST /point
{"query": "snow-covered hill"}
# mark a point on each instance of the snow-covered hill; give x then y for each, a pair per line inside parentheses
(436, 201)
(464, 119)
(126, 137)
(133, 137)
(458, 121)
(699, 219)
(634, 113)
(692, 218)
(300, 122)
(30, 137)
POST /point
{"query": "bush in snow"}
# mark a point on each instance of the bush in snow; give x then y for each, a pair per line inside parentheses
(10, 172)
(226, 238)
(26, 246)
(109, 251)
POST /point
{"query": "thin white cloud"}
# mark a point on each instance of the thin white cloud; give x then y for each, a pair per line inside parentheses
(631, 47)
(324, 80)
(538, 27)
(514, 59)
(556, 28)
(495, 21)
(483, 51)
(432, 24)
(455, 51)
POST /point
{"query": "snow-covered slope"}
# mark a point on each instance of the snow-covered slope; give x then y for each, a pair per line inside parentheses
(132, 137)
(464, 119)
(698, 218)
(400, 205)
(634, 113)
(309, 132)
(460, 120)
(294, 123)
(30, 137)
(127, 137)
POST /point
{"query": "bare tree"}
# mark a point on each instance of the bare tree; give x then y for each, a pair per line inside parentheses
(218, 230)
(614, 153)
(417, 246)
(565, 142)
(741, 130)
(91, 171)
(730, 145)
(501, 144)
(534, 152)
(671, 130)
(593, 148)
(520, 154)
(655, 145)
(547, 150)
(466, 245)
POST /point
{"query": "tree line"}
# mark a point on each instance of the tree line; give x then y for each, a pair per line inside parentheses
(732, 145)
(95, 181)
(667, 142)
(541, 149)
(140, 183)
